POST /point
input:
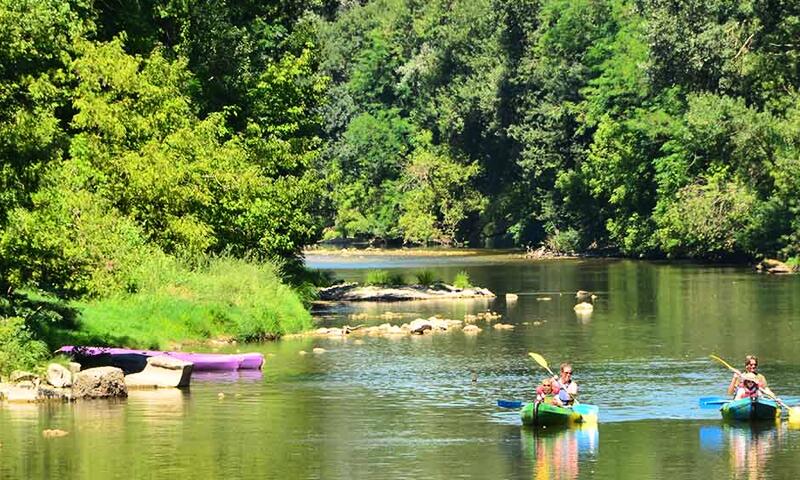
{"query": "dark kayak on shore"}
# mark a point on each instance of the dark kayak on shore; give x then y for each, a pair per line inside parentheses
(201, 361)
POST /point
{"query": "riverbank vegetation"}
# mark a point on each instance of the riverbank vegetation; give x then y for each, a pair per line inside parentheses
(184, 133)
(140, 142)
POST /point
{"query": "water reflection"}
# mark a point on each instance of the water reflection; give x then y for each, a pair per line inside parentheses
(749, 447)
(234, 376)
(557, 451)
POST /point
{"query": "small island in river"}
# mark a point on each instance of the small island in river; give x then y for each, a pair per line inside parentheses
(353, 292)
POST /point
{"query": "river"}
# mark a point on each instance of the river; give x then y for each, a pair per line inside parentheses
(425, 407)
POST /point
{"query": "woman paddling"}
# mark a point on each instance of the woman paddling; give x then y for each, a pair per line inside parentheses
(750, 366)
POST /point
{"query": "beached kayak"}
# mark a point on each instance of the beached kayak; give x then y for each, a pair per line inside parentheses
(747, 410)
(542, 414)
(201, 361)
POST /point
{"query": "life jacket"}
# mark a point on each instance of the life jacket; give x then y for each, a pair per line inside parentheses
(744, 392)
(543, 397)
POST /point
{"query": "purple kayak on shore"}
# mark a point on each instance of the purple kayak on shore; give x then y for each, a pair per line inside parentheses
(201, 361)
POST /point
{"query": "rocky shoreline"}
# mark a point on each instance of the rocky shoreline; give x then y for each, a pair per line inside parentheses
(67, 384)
(353, 292)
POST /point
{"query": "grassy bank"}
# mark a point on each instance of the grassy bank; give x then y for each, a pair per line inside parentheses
(226, 298)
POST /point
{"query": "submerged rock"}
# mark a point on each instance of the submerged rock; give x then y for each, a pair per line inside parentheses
(472, 329)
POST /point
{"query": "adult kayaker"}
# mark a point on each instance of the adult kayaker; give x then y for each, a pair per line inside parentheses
(749, 387)
(750, 366)
(567, 388)
(547, 393)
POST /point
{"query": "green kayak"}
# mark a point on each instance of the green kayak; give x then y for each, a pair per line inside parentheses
(746, 410)
(543, 414)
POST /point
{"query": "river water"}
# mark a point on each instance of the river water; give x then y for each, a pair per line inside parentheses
(425, 407)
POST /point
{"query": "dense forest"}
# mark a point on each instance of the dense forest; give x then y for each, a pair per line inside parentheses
(143, 142)
(644, 128)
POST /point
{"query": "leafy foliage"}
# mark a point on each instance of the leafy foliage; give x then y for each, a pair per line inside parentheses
(19, 350)
(426, 277)
(576, 123)
(118, 147)
(462, 280)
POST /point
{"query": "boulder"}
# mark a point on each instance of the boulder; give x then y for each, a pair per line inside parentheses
(100, 382)
(583, 295)
(58, 376)
(471, 329)
(74, 367)
(162, 371)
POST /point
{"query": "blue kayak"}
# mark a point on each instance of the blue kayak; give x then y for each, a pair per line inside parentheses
(751, 410)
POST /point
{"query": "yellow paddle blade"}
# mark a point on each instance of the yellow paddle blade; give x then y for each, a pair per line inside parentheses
(592, 419)
(794, 415)
(539, 359)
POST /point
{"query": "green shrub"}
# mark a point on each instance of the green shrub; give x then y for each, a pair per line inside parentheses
(426, 277)
(564, 241)
(19, 350)
(462, 280)
(384, 278)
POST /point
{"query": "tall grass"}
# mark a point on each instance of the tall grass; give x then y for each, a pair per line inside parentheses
(462, 280)
(426, 277)
(384, 278)
(169, 303)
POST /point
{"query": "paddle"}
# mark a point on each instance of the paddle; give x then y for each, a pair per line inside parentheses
(794, 412)
(589, 412)
(713, 402)
(510, 404)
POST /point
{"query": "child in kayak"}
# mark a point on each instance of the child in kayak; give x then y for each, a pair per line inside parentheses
(749, 387)
(546, 393)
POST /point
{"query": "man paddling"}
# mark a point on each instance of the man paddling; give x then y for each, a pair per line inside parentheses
(567, 389)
